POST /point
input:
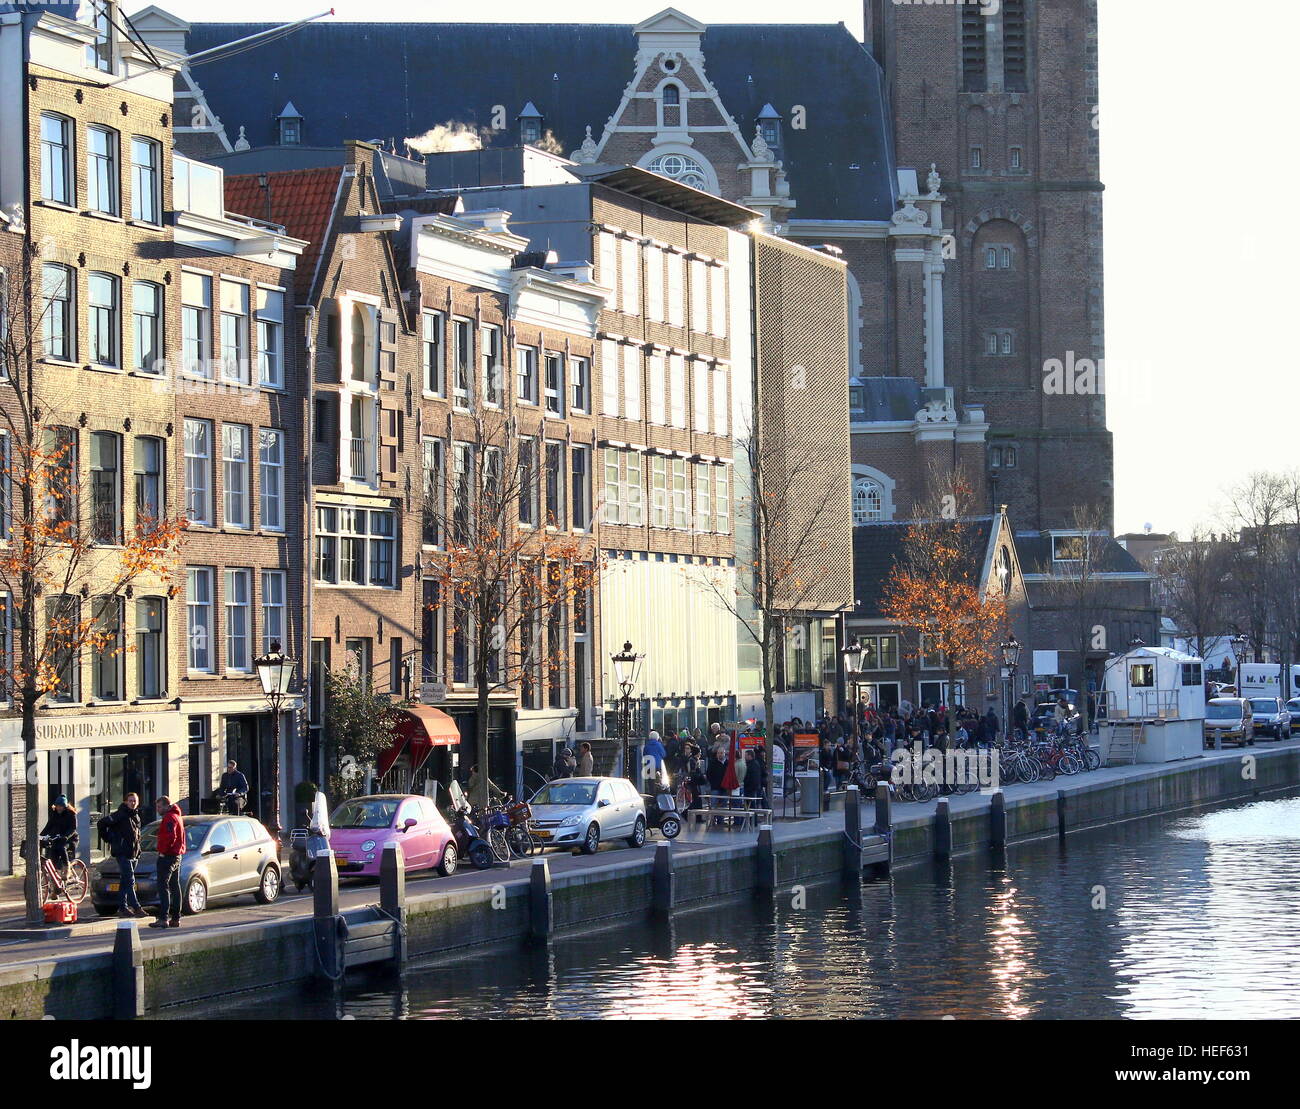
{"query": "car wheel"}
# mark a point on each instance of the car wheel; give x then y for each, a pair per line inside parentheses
(196, 896)
(637, 838)
(449, 860)
(591, 841)
(268, 889)
(670, 826)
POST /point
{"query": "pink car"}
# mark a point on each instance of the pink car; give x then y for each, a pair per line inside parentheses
(360, 828)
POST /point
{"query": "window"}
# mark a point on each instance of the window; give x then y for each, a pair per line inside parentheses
(995, 458)
(290, 131)
(719, 310)
(102, 298)
(632, 382)
(613, 495)
(700, 395)
(557, 650)
(58, 326)
(146, 157)
(462, 354)
(681, 496)
(580, 473)
(238, 620)
(270, 337)
(430, 632)
(1004, 258)
(492, 369)
(1014, 42)
(676, 290)
(108, 678)
(630, 285)
(722, 501)
(356, 546)
(659, 491)
(1142, 675)
(1006, 342)
(654, 283)
(658, 390)
(433, 478)
(671, 106)
(699, 296)
(147, 327)
(681, 168)
(150, 652)
(526, 368)
(198, 605)
(580, 384)
(974, 60)
(361, 324)
(1009, 458)
(235, 470)
(101, 170)
(554, 384)
(528, 482)
(609, 371)
(607, 247)
(462, 477)
(1068, 548)
(99, 53)
(703, 497)
(60, 477)
(362, 446)
(432, 338)
(677, 390)
(633, 494)
(234, 331)
(105, 488)
(554, 480)
(720, 411)
(990, 258)
(1191, 673)
(274, 629)
(198, 471)
(62, 617)
(1016, 157)
(868, 501)
(196, 323)
(271, 477)
(879, 652)
(990, 343)
(976, 157)
(56, 159)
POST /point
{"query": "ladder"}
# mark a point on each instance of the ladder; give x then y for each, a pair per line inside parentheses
(1124, 741)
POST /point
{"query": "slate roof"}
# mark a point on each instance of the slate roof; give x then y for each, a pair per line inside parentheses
(302, 200)
(1034, 549)
(877, 547)
(398, 80)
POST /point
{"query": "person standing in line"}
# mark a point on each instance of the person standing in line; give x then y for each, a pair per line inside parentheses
(171, 848)
(586, 763)
(124, 840)
(654, 750)
(565, 765)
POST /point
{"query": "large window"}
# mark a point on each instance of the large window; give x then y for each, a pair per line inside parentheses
(274, 628)
(631, 382)
(356, 546)
(554, 384)
(554, 482)
(196, 323)
(526, 369)
(146, 158)
(101, 171)
(235, 470)
(58, 323)
(703, 497)
(722, 501)
(462, 478)
(198, 607)
(659, 491)
(700, 395)
(271, 477)
(868, 500)
(108, 679)
(147, 326)
(528, 482)
(234, 331)
(270, 337)
(658, 389)
(681, 496)
(433, 496)
(462, 360)
(62, 620)
(492, 370)
(239, 620)
(105, 487)
(61, 467)
(432, 337)
(580, 383)
(677, 390)
(56, 159)
(580, 472)
(150, 652)
(105, 318)
(879, 652)
(198, 471)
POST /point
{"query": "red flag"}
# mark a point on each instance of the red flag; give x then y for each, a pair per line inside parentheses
(729, 779)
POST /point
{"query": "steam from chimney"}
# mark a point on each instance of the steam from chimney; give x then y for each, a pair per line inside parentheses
(451, 135)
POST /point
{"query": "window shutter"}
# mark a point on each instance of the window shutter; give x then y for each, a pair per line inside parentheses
(390, 400)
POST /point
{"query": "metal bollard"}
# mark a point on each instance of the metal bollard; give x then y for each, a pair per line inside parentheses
(766, 861)
(884, 809)
(662, 881)
(128, 972)
(852, 832)
(325, 911)
(998, 819)
(942, 830)
(392, 896)
(541, 903)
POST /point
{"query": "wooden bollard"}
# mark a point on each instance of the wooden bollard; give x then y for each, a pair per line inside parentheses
(998, 819)
(392, 896)
(662, 881)
(852, 833)
(884, 809)
(325, 911)
(128, 972)
(766, 861)
(1060, 813)
(541, 903)
(942, 830)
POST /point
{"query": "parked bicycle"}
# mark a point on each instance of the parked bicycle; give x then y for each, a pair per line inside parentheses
(70, 882)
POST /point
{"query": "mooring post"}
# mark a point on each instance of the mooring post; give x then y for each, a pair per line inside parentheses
(998, 819)
(1060, 813)
(942, 830)
(541, 904)
(852, 832)
(325, 911)
(128, 972)
(392, 896)
(884, 809)
(766, 861)
(662, 882)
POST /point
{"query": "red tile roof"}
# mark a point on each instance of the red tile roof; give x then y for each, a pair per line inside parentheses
(302, 200)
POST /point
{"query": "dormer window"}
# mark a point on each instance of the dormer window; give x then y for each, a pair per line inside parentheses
(671, 106)
(290, 126)
(530, 124)
(99, 54)
(769, 126)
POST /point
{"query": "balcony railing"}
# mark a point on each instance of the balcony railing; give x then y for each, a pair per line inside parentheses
(360, 468)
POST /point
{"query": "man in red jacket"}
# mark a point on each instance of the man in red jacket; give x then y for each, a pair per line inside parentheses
(171, 846)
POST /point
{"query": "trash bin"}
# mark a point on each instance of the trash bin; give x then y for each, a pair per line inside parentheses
(810, 792)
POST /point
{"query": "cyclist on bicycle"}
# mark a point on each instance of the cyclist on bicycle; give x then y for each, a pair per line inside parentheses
(61, 829)
(233, 788)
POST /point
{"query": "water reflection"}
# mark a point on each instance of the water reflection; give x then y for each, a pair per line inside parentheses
(1178, 917)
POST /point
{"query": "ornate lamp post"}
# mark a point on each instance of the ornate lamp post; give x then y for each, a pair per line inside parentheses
(627, 666)
(1240, 645)
(851, 653)
(1011, 660)
(275, 672)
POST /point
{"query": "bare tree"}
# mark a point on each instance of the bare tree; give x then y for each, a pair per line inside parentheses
(1194, 578)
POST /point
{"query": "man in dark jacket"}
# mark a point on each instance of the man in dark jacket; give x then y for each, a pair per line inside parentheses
(1021, 715)
(755, 781)
(124, 839)
(565, 765)
(991, 724)
(62, 824)
(171, 847)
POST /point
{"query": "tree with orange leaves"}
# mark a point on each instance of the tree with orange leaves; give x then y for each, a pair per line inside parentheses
(508, 587)
(933, 592)
(57, 550)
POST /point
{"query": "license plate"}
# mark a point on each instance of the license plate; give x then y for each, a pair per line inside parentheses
(112, 887)
(540, 833)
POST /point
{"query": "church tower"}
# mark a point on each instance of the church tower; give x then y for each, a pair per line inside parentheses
(1002, 96)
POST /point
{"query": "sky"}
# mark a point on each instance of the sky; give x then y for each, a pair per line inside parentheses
(1197, 146)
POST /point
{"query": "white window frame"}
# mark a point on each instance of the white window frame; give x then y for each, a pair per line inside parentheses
(238, 603)
(197, 464)
(270, 337)
(232, 326)
(56, 161)
(610, 368)
(658, 389)
(200, 638)
(236, 473)
(270, 478)
(433, 351)
(102, 172)
(631, 382)
(275, 591)
(147, 328)
(146, 180)
(196, 325)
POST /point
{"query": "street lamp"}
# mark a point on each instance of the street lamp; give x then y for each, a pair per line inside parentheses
(1239, 645)
(627, 665)
(275, 672)
(1011, 660)
(851, 653)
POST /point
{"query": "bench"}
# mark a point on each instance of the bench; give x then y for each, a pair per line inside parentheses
(737, 811)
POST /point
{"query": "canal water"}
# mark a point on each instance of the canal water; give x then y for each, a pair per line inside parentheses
(1174, 917)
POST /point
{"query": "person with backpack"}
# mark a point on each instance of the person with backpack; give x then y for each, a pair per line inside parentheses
(171, 846)
(565, 765)
(62, 830)
(121, 830)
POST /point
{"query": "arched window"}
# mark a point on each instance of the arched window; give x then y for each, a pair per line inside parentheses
(670, 106)
(868, 501)
(681, 168)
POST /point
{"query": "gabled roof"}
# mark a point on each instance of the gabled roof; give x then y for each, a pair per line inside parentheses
(878, 547)
(1035, 551)
(399, 80)
(301, 200)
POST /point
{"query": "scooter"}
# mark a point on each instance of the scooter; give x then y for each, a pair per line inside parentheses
(306, 843)
(469, 843)
(661, 812)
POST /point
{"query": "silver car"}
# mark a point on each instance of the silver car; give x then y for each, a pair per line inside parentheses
(225, 856)
(585, 811)
(1271, 716)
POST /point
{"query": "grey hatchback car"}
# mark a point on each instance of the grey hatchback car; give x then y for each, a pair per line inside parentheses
(225, 856)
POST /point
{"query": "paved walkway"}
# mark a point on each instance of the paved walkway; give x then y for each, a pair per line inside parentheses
(355, 893)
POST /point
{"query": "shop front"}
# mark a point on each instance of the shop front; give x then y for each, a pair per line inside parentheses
(422, 752)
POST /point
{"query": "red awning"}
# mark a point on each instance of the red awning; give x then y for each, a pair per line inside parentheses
(420, 729)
